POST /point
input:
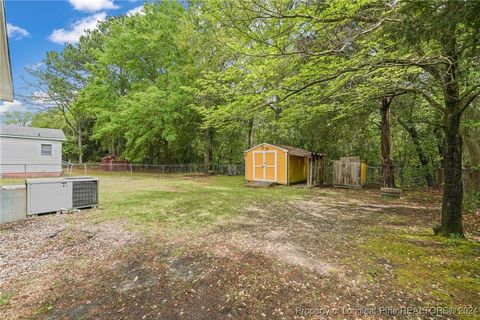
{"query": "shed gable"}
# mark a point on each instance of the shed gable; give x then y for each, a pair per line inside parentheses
(280, 162)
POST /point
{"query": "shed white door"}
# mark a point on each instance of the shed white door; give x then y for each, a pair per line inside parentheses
(265, 165)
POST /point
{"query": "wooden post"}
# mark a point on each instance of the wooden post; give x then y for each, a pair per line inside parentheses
(311, 172)
(324, 169)
(320, 171)
(85, 168)
(314, 173)
(308, 172)
(312, 162)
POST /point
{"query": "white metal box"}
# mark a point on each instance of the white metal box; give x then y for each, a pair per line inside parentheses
(12, 203)
(48, 195)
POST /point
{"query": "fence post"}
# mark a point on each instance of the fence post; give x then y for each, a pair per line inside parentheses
(85, 167)
(131, 169)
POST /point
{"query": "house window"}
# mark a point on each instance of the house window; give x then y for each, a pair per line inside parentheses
(46, 150)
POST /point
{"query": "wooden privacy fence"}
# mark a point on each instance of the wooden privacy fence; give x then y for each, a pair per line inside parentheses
(316, 170)
(349, 172)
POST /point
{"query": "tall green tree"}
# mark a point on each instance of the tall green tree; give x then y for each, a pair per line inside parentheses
(136, 89)
(338, 38)
(439, 37)
(18, 118)
(59, 79)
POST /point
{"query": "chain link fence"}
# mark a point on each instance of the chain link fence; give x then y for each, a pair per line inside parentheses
(67, 169)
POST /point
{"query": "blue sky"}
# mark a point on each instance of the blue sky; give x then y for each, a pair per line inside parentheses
(36, 27)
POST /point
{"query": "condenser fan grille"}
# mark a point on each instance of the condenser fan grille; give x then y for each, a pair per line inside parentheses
(84, 194)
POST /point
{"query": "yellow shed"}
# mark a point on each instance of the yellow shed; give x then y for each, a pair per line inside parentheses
(278, 163)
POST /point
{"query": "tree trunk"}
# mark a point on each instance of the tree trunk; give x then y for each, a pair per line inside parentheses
(387, 162)
(150, 153)
(277, 110)
(167, 158)
(412, 131)
(111, 148)
(277, 118)
(453, 187)
(80, 145)
(250, 134)
(208, 149)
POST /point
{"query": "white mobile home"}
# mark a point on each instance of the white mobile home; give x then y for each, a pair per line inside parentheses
(27, 151)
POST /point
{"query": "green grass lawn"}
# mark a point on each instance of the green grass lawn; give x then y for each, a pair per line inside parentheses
(186, 202)
(448, 269)
(385, 247)
(8, 181)
(178, 200)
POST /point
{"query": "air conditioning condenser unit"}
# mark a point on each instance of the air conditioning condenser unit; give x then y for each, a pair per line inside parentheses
(61, 194)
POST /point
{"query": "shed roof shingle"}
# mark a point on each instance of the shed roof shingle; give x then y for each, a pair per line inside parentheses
(295, 151)
(30, 132)
(292, 150)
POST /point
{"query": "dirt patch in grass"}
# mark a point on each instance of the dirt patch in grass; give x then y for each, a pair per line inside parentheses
(199, 284)
(276, 243)
(195, 285)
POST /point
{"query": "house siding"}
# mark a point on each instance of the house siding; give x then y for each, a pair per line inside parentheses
(18, 154)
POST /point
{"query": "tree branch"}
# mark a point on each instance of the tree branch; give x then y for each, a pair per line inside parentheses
(427, 97)
(468, 98)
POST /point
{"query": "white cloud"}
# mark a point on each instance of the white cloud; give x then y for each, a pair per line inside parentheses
(92, 5)
(40, 98)
(136, 10)
(16, 33)
(36, 65)
(74, 31)
(7, 106)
